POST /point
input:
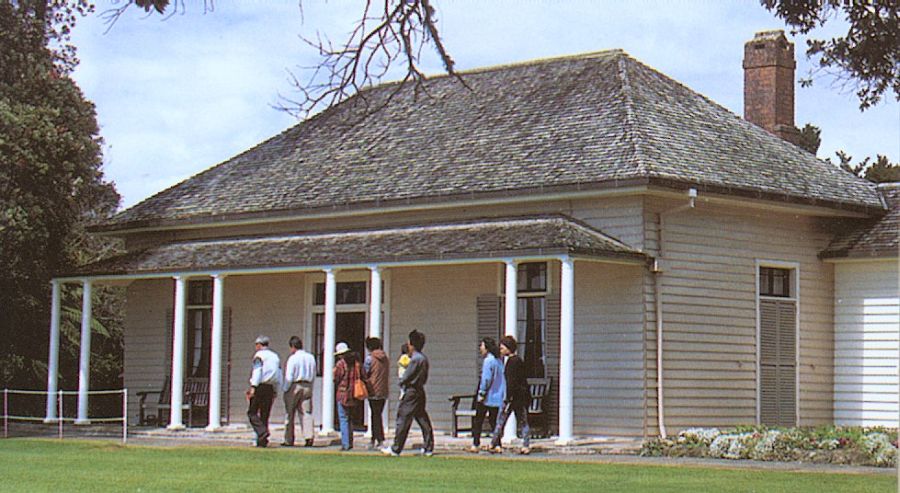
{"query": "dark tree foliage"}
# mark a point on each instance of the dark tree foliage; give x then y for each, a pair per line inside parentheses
(51, 185)
(810, 138)
(880, 171)
(866, 58)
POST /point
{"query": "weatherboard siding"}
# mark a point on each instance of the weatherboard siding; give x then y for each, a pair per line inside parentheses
(609, 369)
(145, 336)
(866, 321)
(709, 313)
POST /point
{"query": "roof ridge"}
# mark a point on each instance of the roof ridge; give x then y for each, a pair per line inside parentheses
(631, 124)
(506, 66)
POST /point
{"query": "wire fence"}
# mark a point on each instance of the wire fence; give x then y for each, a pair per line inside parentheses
(11, 397)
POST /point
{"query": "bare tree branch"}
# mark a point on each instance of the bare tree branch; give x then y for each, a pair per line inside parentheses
(393, 34)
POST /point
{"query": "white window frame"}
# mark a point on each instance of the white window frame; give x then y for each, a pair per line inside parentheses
(347, 276)
(501, 290)
(794, 267)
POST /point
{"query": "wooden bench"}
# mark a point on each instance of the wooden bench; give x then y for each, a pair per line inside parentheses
(196, 396)
(539, 389)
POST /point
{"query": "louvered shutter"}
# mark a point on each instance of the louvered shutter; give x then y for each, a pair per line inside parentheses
(226, 365)
(489, 312)
(777, 362)
(169, 330)
(551, 357)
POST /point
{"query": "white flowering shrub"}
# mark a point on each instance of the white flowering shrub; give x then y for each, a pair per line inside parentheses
(879, 446)
(701, 436)
(765, 447)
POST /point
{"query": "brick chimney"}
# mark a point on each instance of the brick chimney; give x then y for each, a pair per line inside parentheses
(769, 84)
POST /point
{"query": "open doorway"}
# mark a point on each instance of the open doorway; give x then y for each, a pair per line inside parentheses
(350, 327)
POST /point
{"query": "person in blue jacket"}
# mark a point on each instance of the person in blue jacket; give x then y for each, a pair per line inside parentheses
(491, 390)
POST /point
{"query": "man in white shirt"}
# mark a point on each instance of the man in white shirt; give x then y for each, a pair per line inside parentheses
(299, 373)
(264, 378)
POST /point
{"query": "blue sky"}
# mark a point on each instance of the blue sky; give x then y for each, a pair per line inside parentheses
(178, 96)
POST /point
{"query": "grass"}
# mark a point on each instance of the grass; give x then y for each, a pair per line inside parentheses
(48, 465)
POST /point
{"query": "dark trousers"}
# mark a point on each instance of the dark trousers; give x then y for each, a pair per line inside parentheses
(377, 408)
(521, 410)
(478, 421)
(260, 407)
(412, 407)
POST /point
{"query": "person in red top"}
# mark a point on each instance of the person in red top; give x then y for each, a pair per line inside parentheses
(346, 373)
(518, 397)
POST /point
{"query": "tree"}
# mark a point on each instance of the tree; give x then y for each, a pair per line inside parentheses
(867, 57)
(51, 185)
(881, 171)
(810, 138)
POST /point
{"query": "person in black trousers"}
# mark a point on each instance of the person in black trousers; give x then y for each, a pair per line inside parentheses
(518, 397)
(412, 405)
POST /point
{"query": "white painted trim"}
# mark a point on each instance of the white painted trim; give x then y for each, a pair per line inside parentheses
(178, 323)
(860, 260)
(566, 350)
(384, 210)
(53, 357)
(84, 367)
(795, 297)
(215, 359)
(641, 190)
(511, 322)
(343, 267)
(328, 395)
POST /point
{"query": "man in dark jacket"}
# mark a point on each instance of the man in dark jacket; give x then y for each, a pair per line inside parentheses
(376, 377)
(518, 397)
(412, 405)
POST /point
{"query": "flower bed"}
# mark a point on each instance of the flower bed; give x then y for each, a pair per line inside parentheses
(829, 444)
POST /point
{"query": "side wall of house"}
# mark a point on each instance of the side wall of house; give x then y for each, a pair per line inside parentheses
(866, 321)
(145, 367)
(441, 302)
(709, 312)
(609, 348)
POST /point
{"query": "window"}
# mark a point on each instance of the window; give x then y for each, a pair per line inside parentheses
(199, 327)
(346, 293)
(774, 282)
(350, 319)
(531, 316)
(777, 326)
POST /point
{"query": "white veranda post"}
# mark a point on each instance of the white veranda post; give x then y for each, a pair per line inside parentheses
(328, 349)
(53, 359)
(566, 349)
(374, 322)
(215, 358)
(509, 431)
(177, 387)
(84, 367)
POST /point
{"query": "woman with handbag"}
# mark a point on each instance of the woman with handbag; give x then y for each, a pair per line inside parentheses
(347, 383)
(491, 390)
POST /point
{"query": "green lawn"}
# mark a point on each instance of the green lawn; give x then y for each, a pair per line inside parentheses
(47, 465)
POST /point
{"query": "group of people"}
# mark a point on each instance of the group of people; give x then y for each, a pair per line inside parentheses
(354, 383)
(502, 391)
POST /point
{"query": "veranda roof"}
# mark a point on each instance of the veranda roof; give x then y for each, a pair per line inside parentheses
(478, 239)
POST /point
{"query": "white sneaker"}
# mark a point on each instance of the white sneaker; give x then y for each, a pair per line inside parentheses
(427, 453)
(389, 452)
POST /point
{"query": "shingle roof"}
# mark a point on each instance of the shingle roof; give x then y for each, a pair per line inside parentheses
(490, 238)
(872, 238)
(582, 122)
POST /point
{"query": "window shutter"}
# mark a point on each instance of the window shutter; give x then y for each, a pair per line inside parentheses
(489, 310)
(226, 365)
(777, 362)
(551, 356)
(169, 330)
